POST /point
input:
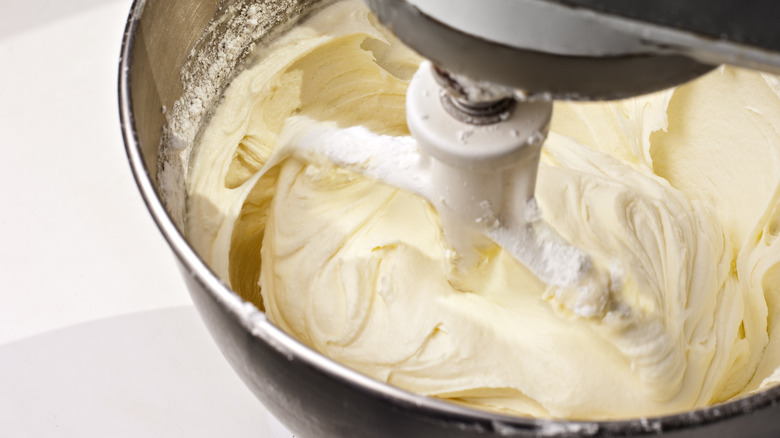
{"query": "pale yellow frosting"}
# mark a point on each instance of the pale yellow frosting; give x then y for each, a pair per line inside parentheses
(681, 189)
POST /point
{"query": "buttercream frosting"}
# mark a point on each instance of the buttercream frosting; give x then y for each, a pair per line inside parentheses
(677, 192)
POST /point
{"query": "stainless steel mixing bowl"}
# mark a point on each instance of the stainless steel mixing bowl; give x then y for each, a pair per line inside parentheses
(312, 395)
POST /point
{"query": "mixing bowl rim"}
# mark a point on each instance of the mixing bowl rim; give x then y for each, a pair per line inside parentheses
(255, 322)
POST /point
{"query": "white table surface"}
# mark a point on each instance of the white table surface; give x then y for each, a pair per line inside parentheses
(98, 336)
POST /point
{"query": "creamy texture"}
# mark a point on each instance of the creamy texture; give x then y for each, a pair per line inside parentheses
(678, 191)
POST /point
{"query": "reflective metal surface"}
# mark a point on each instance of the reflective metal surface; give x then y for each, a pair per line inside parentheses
(314, 396)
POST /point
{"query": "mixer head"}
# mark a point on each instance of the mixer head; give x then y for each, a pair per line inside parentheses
(585, 49)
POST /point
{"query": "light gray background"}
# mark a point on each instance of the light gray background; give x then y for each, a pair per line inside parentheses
(98, 336)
